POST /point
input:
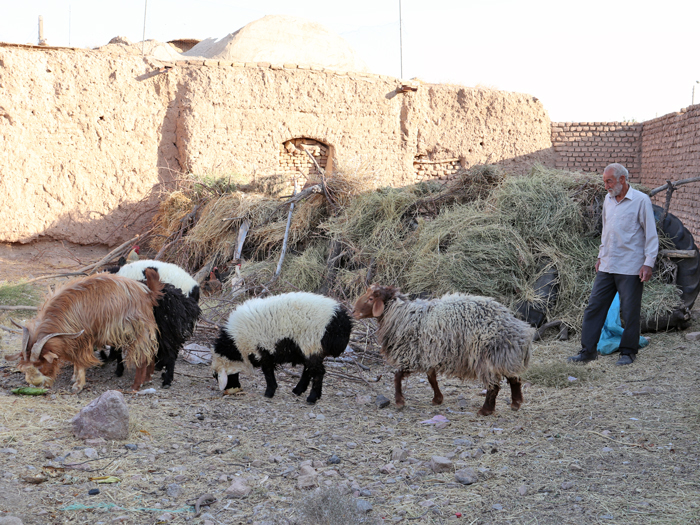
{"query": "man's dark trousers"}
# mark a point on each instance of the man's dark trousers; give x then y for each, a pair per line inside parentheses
(630, 288)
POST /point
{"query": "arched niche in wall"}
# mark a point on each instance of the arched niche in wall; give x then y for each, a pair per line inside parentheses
(294, 160)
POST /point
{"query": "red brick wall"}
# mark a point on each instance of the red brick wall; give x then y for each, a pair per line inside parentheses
(671, 151)
(590, 146)
(667, 147)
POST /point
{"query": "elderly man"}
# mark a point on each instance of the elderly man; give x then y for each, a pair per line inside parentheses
(625, 260)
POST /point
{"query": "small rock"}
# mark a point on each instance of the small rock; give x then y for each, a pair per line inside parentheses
(575, 466)
(497, 506)
(440, 464)
(607, 449)
(477, 453)
(460, 442)
(130, 446)
(173, 490)
(276, 459)
(8, 450)
(363, 400)
(399, 454)
(93, 492)
(567, 485)
(426, 503)
(306, 482)
(238, 489)
(90, 453)
(381, 401)
(693, 336)
(307, 470)
(317, 464)
(333, 460)
(320, 417)
(165, 517)
(121, 518)
(522, 490)
(387, 469)
(365, 493)
(10, 520)
(349, 445)
(363, 505)
(223, 478)
(466, 476)
(106, 416)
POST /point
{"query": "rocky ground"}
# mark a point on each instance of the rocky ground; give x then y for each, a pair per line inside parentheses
(592, 444)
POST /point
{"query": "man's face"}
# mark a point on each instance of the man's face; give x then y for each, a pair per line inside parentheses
(613, 186)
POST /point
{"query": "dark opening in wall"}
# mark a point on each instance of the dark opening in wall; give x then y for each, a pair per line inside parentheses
(295, 161)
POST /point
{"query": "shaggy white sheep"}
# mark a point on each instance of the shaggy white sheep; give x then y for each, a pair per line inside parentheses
(458, 335)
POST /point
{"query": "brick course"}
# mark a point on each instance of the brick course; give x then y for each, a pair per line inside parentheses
(665, 148)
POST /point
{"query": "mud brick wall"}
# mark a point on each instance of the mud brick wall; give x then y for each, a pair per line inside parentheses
(671, 151)
(590, 146)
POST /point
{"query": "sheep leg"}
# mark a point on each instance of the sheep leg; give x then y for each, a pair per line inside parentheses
(490, 402)
(269, 373)
(316, 371)
(79, 381)
(168, 374)
(516, 393)
(432, 378)
(120, 362)
(398, 394)
(303, 383)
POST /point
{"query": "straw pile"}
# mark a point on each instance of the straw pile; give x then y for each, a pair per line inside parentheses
(484, 233)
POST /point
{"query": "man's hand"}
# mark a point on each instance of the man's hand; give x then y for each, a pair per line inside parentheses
(645, 273)
(597, 265)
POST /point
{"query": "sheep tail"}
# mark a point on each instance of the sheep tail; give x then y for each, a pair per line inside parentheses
(155, 285)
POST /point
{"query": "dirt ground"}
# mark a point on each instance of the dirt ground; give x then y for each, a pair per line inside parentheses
(592, 444)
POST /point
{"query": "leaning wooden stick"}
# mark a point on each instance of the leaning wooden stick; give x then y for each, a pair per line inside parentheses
(109, 256)
(3, 307)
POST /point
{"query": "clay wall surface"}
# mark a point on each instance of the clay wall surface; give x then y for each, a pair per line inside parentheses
(87, 135)
(671, 151)
(590, 146)
(83, 137)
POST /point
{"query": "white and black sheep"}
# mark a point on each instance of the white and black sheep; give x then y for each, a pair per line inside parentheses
(176, 313)
(297, 328)
(458, 335)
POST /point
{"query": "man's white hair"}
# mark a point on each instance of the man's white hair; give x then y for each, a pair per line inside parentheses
(618, 170)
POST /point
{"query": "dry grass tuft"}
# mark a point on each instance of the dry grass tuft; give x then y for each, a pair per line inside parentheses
(328, 506)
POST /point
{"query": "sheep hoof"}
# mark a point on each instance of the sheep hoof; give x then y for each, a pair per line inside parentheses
(400, 404)
(166, 386)
(269, 394)
(297, 392)
(515, 406)
(485, 412)
(437, 401)
(76, 389)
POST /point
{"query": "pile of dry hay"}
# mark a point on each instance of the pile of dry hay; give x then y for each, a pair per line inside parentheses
(484, 233)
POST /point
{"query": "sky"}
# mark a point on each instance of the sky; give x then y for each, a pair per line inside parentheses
(598, 60)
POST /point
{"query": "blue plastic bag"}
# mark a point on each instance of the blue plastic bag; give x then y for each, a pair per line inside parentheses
(611, 335)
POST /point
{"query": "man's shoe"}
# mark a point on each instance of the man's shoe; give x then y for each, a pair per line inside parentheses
(625, 359)
(582, 357)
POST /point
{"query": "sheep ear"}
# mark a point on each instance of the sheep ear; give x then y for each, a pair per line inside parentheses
(378, 307)
(50, 356)
(13, 357)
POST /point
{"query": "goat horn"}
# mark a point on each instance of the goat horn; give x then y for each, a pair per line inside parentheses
(25, 341)
(36, 349)
(16, 323)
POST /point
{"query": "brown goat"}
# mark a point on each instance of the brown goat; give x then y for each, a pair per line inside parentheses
(89, 312)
